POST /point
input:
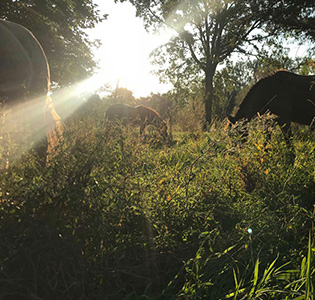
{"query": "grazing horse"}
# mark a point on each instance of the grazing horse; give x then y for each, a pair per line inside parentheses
(24, 87)
(289, 96)
(139, 114)
(122, 112)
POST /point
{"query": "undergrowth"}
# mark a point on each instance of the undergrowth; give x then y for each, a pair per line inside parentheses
(118, 217)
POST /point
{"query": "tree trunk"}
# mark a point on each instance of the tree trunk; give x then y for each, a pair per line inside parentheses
(208, 100)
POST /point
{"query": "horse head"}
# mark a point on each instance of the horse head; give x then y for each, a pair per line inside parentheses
(238, 126)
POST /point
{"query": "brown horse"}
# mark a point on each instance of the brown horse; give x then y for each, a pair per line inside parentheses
(140, 114)
(289, 96)
(24, 87)
(122, 112)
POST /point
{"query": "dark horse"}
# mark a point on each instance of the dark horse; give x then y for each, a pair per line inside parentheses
(140, 114)
(24, 87)
(289, 96)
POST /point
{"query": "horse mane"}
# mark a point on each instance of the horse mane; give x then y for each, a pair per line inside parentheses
(149, 108)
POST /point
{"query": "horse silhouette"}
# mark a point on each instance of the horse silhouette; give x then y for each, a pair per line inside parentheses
(24, 87)
(289, 96)
(140, 114)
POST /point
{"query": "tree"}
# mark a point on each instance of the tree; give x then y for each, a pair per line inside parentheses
(289, 15)
(159, 102)
(122, 95)
(207, 32)
(59, 27)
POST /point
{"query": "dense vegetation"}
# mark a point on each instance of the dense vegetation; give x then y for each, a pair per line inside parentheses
(117, 217)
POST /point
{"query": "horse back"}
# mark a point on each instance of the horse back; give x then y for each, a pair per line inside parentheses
(285, 94)
(148, 114)
(294, 97)
(120, 111)
(23, 64)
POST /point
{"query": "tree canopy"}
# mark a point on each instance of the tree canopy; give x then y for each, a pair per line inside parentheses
(291, 15)
(59, 26)
(207, 32)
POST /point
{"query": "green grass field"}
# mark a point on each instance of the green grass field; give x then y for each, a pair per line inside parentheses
(202, 217)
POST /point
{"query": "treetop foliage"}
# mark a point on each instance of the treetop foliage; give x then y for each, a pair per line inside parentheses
(218, 28)
(59, 27)
(209, 28)
(284, 15)
(290, 15)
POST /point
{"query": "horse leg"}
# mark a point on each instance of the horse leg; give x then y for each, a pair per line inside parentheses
(286, 130)
(267, 132)
(287, 133)
(142, 127)
(41, 150)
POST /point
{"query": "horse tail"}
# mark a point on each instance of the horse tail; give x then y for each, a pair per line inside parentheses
(54, 129)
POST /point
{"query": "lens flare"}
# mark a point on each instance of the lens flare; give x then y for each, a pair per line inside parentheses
(23, 126)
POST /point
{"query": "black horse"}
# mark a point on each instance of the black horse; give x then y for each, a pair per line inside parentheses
(289, 96)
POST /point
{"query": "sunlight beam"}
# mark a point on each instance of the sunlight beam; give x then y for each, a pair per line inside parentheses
(24, 126)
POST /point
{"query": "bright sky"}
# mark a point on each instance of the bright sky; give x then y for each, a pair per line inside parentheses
(124, 54)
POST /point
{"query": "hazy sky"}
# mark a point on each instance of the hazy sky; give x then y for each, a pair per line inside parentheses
(125, 49)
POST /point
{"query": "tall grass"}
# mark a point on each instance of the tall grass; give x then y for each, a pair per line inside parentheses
(117, 217)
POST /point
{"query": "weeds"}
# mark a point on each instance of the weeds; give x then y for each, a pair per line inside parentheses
(115, 217)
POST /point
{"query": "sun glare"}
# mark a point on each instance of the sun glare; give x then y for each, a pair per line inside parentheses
(91, 84)
(126, 46)
(123, 61)
(23, 124)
